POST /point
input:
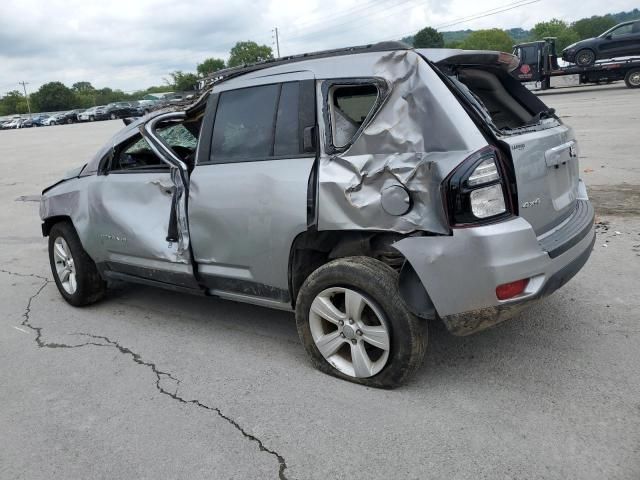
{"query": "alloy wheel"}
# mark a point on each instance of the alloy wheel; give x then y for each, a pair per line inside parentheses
(350, 331)
(585, 57)
(65, 266)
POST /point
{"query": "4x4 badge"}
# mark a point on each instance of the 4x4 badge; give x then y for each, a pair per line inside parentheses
(532, 203)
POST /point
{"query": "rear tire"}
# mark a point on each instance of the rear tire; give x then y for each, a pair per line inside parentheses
(632, 78)
(585, 57)
(382, 345)
(74, 272)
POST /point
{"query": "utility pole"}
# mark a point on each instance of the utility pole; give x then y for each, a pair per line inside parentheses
(275, 31)
(24, 86)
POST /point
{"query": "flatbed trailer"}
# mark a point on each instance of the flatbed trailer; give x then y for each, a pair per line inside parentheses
(539, 63)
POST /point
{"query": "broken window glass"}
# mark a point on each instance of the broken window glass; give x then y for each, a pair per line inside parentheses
(350, 106)
(243, 128)
(137, 154)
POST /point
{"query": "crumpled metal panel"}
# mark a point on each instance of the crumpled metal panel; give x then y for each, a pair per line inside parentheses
(417, 137)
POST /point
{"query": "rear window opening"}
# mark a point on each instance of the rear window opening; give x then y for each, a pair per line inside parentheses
(507, 103)
(350, 105)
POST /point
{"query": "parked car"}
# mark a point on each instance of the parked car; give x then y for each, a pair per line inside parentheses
(38, 120)
(623, 40)
(146, 106)
(71, 116)
(369, 190)
(15, 122)
(117, 110)
(90, 114)
(54, 119)
(23, 123)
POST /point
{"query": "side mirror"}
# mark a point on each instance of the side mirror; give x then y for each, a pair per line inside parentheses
(309, 136)
(609, 37)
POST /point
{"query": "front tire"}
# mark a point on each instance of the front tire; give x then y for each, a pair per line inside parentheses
(354, 325)
(632, 78)
(74, 272)
(585, 57)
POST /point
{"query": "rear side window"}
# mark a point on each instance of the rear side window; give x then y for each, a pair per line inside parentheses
(349, 106)
(261, 123)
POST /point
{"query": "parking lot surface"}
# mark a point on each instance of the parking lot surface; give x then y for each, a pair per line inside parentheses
(155, 384)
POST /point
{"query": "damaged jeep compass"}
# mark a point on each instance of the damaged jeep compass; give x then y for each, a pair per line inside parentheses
(370, 190)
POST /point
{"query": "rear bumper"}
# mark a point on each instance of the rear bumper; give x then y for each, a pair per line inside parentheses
(461, 272)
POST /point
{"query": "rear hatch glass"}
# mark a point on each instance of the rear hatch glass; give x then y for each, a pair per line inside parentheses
(542, 149)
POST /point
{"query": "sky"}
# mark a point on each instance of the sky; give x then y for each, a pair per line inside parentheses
(133, 44)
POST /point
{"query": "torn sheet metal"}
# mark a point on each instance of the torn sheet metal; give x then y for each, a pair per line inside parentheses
(419, 134)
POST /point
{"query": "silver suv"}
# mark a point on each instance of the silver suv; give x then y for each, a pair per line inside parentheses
(369, 190)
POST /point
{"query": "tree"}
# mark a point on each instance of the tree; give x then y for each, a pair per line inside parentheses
(53, 96)
(593, 26)
(13, 102)
(248, 52)
(182, 82)
(428, 38)
(209, 66)
(82, 87)
(491, 39)
(105, 95)
(555, 28)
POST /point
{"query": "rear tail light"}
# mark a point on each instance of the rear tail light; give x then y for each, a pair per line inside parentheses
(511, 289)
(488, 201)
(476, 191)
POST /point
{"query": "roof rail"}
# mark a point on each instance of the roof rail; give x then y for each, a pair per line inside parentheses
(227, 73)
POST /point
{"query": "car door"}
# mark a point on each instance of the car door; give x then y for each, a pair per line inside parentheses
(249, 195)
(132, 208)
(618, 42)
(633, 42)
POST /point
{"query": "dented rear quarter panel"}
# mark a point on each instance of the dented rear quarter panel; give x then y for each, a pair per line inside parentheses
(416, 138)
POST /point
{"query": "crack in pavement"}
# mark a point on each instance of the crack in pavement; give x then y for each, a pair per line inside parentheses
(137, 358)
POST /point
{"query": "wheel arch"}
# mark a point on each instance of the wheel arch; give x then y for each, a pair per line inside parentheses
(49, 222)
(312, 249)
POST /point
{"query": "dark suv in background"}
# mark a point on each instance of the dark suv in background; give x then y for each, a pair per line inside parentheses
(620, 41)
(117, 110)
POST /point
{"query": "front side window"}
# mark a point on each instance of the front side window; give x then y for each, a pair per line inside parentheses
(623, 30)
(136, 154)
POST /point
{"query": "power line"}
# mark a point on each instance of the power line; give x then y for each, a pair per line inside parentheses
(486, 13)
(340, 14)
(330, 25)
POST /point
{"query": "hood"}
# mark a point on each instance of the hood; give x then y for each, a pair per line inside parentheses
(574, 45)
(73, 173)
